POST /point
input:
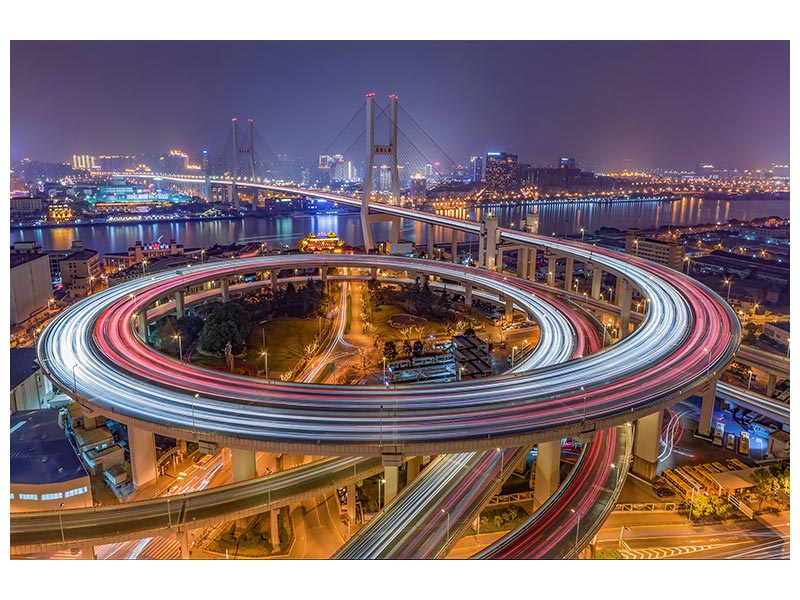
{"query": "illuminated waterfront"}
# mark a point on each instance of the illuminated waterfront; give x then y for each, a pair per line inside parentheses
(564, 219)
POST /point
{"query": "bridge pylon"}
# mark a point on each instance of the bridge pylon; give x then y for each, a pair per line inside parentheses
(384, 150)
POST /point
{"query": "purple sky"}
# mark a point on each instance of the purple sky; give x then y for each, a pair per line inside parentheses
(667, 104)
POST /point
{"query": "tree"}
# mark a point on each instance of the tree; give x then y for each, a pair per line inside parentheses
(710, 506)
(769, 481)
(608, 553)
(390, 350)
(224, 323)
(407, 347)
(417, 348)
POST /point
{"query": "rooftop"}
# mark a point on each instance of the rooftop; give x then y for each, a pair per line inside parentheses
(23, 365)
(21, 259)
(40, 451)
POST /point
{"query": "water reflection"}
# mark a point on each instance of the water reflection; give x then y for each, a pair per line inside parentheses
(561, 219)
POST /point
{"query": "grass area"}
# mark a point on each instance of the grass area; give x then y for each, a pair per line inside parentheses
(285, 341)
(387, 332)
(324, 373)
(349, 318)
(501, 519)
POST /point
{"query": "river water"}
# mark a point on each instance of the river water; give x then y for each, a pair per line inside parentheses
(561, 219)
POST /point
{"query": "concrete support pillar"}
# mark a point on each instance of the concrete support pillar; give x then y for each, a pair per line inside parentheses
(551, 270)
(244, 464)
(278, 463)
(351, 502)
(412, 468)
(274, 531)
(468, 294)
(179, 301)
(454, 250)
(142, 447)
(487, 246)
(430, 241)
(771, 383)
(531, 275)
(625, 312)
(597, 280)
(509, 310)
(391, 487)
(568, 274)
(224, 288)
(273, 279)
(87, 553)
(323, 273)
(618, 291)
(647, 446)
(548, 463)
(143, 329)
(498, 259)
(183, 540)
(522, 263)
(709, 391)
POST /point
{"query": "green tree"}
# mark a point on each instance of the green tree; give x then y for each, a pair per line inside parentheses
(608, 553)
(710, 506)
(390, 350)
(417, 348)
(224, 323)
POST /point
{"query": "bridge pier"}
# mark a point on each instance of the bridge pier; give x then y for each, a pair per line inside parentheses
(224, 288)
(412, 468)
(351, 503)
(274, 532)
(323, 273)
(709, 391)
(179, 303)
(570, 267)
(391, 487)
(87, 552)
(597, 280)
(142, 448)
(243, 463)
(509, 317)
(468, 294)
(454, 250)
(430, 241)
(548, 464)
(772, 381)
(183, 539)
(143, 328)
(487, 244)
(551, 270)
(647, 446)
(625, 312)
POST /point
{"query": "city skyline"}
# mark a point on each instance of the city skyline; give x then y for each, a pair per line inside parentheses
(749, 128)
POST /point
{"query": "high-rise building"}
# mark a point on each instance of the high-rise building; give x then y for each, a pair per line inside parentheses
(84, 162)
(667, 253)
(566, 163)
(476, 168)
(417, 187)
(501, 174)
(176, 161)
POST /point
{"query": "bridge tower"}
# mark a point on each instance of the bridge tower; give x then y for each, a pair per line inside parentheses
(389, 151)
(206, 177)
(234, 192)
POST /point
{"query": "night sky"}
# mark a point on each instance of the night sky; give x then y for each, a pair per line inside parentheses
(657, 104)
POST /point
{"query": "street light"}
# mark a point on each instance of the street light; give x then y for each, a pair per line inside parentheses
(180, 346)
(445, 511)
(513, 353)
(60, 521)
(380, 481)
(584, 403)
(577, 528)
(193, 399)
(582, 230)
(728, 283)
(266, 366)
(74, 380)
(384, 370)
(749, 379)
(621, 529)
